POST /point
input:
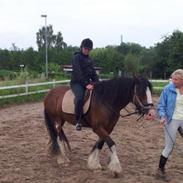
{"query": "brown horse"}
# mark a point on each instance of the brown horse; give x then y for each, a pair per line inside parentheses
(108, 98)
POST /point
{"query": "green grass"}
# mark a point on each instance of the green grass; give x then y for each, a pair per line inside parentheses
(159, 84)
(21, 99)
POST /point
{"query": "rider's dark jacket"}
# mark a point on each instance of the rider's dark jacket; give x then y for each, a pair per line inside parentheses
(83, 70)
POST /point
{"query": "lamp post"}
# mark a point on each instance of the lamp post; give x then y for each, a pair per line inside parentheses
(46, 44)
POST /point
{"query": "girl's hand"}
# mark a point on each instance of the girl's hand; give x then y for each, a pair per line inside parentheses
(89, 87)
(162, 121)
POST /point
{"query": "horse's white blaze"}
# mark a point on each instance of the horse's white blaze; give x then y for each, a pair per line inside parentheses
(149, 96)
(93, 160)
(114, 165)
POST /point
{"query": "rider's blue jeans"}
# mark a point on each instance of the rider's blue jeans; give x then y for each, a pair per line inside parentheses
(79, 92)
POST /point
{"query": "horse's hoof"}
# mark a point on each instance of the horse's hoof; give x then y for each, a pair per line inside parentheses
(50, 151)
(115, 174)
(115, 171)
(95, 168)
(67, 160)
(65, 164)
(103, 168)
(63, 161)
(60, 161)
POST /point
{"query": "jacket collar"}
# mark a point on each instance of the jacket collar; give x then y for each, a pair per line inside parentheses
(172, 87)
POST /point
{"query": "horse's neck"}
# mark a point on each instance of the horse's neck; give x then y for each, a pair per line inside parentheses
(124, 100)
(124, 104)
(119, 94)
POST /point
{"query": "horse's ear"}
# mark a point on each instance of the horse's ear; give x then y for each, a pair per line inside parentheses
(135, 77)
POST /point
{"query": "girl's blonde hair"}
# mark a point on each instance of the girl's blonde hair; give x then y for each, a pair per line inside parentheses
(178, 73)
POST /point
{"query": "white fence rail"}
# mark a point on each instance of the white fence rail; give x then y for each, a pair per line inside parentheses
(28, 85)
(158, 81)
(53, 83)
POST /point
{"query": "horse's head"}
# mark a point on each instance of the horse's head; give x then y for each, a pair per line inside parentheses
(142, 95)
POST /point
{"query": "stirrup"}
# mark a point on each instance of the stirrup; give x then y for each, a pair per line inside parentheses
(78, 126)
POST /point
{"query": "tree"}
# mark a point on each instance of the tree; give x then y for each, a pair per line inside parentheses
(53, 41)
(131, 64)
(176, 54)
(59, 41)
(147, 62)
(31, 60)
(169, 54)
(108, 58)
(123, 48)
(5, 59)
(41, 37)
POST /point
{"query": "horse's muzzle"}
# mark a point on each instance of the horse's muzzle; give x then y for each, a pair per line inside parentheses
(144, 109)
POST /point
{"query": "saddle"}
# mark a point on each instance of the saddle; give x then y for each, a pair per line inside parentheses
(68, 105)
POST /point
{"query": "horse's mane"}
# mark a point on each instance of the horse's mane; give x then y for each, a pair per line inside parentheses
(119, 90)
(112, 90)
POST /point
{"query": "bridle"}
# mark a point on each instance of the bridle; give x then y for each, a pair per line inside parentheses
(141, 108)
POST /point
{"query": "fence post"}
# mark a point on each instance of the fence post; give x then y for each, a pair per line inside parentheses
(26, 87)
(53, 83)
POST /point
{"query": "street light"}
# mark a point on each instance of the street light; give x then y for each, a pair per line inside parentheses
(46, 44)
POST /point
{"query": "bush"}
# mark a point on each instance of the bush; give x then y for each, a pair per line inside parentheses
(106, 76)
(7, 75)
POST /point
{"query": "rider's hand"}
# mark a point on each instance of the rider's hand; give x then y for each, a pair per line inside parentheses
(89, 87)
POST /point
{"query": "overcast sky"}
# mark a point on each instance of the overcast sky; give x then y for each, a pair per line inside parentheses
(104, 21)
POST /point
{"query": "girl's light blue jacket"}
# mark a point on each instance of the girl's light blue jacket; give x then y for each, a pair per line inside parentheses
(166, 104)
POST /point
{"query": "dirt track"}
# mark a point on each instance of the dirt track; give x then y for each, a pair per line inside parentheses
(24, 158)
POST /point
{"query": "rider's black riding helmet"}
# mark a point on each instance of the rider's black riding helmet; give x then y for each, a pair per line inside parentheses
(87, 43)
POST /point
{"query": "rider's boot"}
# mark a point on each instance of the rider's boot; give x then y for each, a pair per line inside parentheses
(78, 122)
(78, 126)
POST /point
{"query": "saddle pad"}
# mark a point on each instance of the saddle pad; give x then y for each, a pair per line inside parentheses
(68, 103)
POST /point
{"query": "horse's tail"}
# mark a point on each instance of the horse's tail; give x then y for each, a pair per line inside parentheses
(52, 132)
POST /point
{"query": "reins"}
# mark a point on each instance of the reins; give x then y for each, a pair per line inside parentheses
(122, 116)
(129, 114)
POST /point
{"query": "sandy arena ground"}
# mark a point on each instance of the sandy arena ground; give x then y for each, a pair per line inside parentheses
(24, 157)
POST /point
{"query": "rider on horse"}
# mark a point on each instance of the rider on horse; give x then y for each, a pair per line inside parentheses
(83, 76)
